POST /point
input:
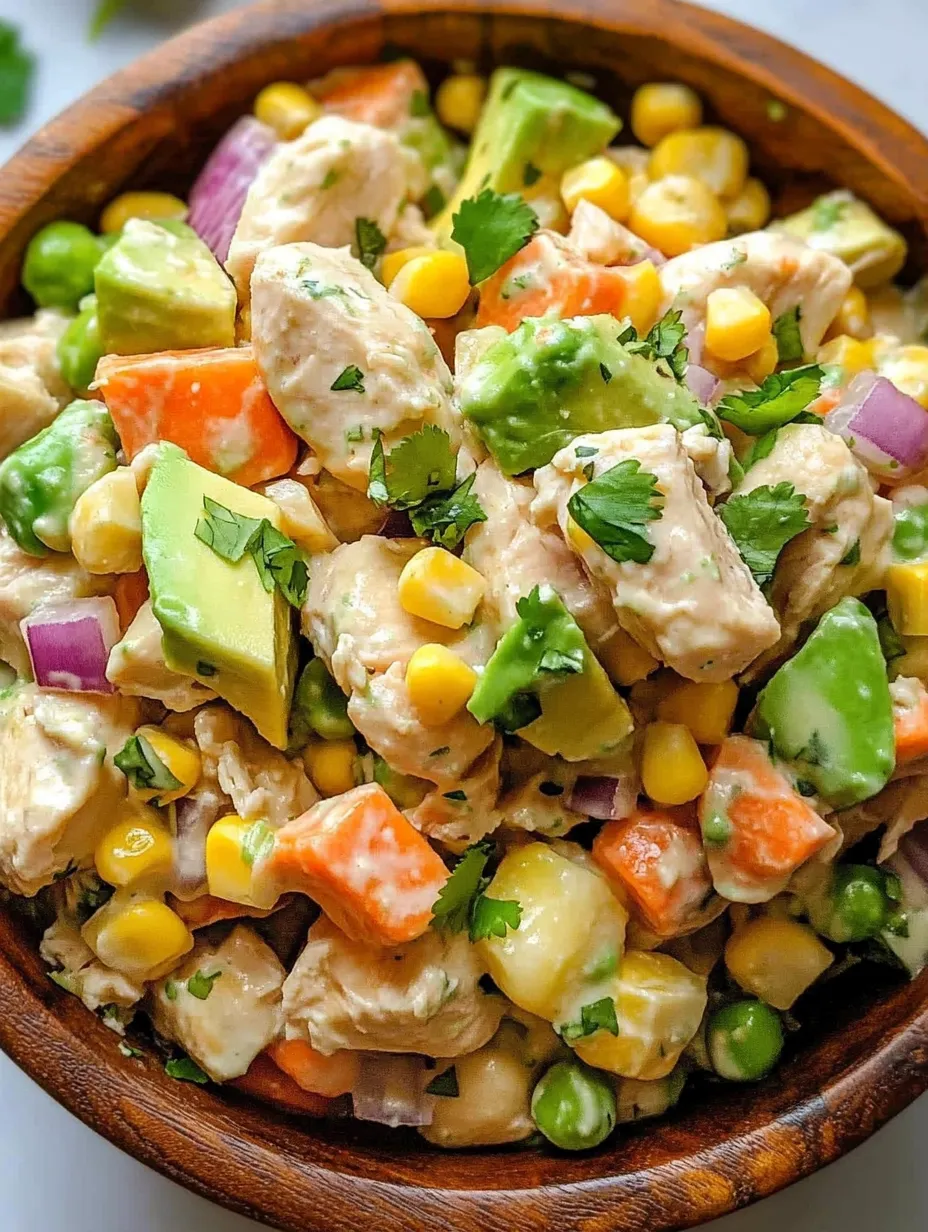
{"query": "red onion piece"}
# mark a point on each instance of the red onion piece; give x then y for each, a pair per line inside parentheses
(886, 429)
(69, 644)
(696, 343)
(219, 192)
(702, 384)
(606, 799)
(193, 816)
(390, 1090)
(914, 846)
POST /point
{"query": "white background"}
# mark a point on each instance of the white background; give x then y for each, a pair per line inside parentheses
(54, 1173)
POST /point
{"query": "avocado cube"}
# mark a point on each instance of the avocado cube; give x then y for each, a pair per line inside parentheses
(845, 226)
(532, 392)
(530, 123)
(218, 622)
(159, 288)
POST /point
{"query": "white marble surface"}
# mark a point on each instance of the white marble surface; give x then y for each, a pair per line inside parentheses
(54, 1173)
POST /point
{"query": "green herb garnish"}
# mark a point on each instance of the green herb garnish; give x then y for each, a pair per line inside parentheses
(491, 228)
(615, 508)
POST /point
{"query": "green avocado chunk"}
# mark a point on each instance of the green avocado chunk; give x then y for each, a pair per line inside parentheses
(42, 479)
(531, 393)
(828, 712)
(219, 624)
(530, 124)
(842, 224)
(159, 288)
(542, 676)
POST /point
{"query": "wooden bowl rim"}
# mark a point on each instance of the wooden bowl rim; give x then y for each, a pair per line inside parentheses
(83, 1070)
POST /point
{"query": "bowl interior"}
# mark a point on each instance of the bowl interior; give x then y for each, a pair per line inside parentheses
(863, 1055)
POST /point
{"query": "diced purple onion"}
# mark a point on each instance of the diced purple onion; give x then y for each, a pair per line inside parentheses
(606, 799)
(914, 846)
(696, 343)
(886, 429)
(219, 192)
(390, 1090)
(702, 384)
(69, 644)
(193, 817)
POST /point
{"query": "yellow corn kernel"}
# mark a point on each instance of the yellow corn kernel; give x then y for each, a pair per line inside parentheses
(907, 598)
(579, 539)
(435, 285)
(139, 937)
(705, 708)
(599, 181)
(137, 848)
(776, 959)
(715, 156)
(663, 107)
(737, 323)
(459, 101)
(151, 206)
(644, 294)
(647, 694)
(237, 852)
(750, 209)
(437, 586)
(672, 768)
(178, 757)
(106, 525)
(678, 213)
(853, 317)
(849, 353)
(624, 660)
(905, 366)
(764, 361)
(392, 262)
(439, 683)
(287, 108)
(333, 766)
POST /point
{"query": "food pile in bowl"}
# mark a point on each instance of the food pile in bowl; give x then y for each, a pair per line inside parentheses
(466, 609)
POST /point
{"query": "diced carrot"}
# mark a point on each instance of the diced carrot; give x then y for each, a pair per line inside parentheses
(380, 95)
(129, 593)
(205, 910)
(910, 723)
(309, 1069)
(754, 822)
(548, 276)
(264, 1080)
(367, 867)
(213, 403)
(657, 857)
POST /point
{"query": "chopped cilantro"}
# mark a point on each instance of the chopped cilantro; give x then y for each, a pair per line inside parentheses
(200, 985)
(419, 466)
(128, 1051)
(280, 563)
(170, 990)
(597, 1016)
(419, 105)
(143, 767)
(257, 843)
(206, 669)
(229, 534)
(355, 434)
(789, 339)
(614, 508)
(329, 179)
(433, 202)
(492, 228)
(891, 643)
(186, 1070)
(585, 451)
(370, 241)
(605, 373)
(852, 555)
(17, 67)
(530, 175)
(762, 522)
(663, 342)
(457, 796)
(781, 397)
(349, 378)
(318, 290)
(445, 1083)
(492, 916)
(462, 905)
(446, 519)
(761, 447)
(828, 211)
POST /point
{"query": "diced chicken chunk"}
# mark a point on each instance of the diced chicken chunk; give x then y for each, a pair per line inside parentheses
(342, 359)
(602, 240)
(467, 813)
(781, 271)
(59, 788)
(844, 511)
(694, 605)
(80, 972)
(316, 188)
(30, 582)
(241, 1014)
(137, 667)
(32, 391)
(421, 997)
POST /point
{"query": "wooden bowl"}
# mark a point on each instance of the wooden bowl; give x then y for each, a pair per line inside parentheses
(863, 1057)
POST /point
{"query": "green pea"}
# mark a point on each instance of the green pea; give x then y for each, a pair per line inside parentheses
(855, 906)
(59, 265)
(716, 829)
(745, 1040)
(319, 706)
(573, 1106)
(80, 348)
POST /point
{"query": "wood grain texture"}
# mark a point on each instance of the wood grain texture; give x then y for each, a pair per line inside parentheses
(866, 1054)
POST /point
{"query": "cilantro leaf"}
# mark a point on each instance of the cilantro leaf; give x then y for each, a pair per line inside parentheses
(17, 67)
(452, 908)
(370, 240)
(492, 228)
(789, 339)
(780, 399)
(490, 917)
(349, 378)
(615, 507)
(170, 990)
(596, 1016)
(143, 767)
(419, 105)
(433, 202)
(257, 843)
(445, 1083)
(446, 519)
(762, 522)
(530, 174)
(420, 465)
(891, 643)
(200, 985)
(128, 1051)
(852, 555)
(186, 1070)
(761, 447)
(663, 341)
(229, 534)
(280, 563)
